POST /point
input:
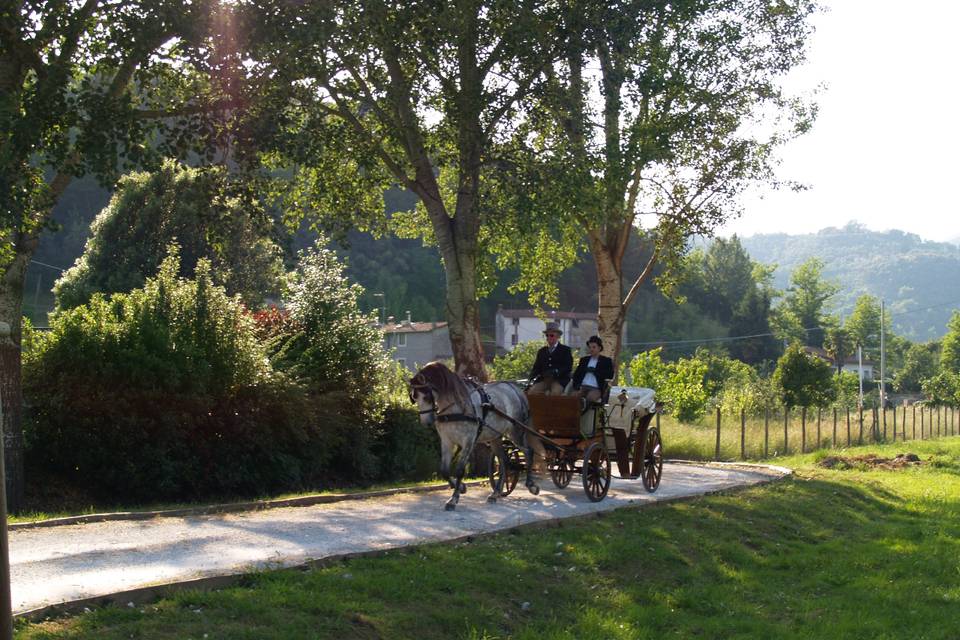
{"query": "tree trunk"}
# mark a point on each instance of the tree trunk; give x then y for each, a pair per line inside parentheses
(611, 312)
(11, 312)
(463, 314)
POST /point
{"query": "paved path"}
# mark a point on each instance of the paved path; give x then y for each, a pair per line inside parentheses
(65, 563)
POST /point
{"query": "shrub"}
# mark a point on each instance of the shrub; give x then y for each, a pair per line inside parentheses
(327, 343)
(164, 393)
(679, 384)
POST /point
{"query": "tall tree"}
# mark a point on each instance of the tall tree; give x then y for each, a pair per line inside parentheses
(839, 345)
(950, 350)
(85, 88)
(805, 302)
(863, 325)
(414, 94)
(649, 122)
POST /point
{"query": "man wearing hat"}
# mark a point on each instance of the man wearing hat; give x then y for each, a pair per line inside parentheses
(551, 371)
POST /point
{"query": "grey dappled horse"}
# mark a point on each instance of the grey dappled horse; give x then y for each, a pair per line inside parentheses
(452, 406)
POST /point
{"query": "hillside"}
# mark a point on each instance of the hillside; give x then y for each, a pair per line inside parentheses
(918, 279)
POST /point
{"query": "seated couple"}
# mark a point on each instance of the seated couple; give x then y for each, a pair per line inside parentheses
(551, 371)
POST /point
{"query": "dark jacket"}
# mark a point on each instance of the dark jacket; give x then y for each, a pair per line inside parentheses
(603, 372)
(558, 364)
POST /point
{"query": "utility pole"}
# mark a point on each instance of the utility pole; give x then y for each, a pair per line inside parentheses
(860, 373)
(883, 380)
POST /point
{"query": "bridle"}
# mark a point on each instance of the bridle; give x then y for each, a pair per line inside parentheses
(438, 413)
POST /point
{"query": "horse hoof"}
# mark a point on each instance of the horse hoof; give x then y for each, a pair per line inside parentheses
(449, 506)
(463, 488)
(534, 489)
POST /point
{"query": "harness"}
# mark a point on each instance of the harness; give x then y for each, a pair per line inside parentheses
(485, 406)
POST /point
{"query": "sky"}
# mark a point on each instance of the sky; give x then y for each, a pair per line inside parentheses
(883, 151)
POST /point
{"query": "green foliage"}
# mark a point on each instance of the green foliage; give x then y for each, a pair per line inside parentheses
(942, 389)
(863, 326)
(920, 363)
(679, 384)
(516, 363)
(165, 393)
(805, 303)
(804, 380)
(950, 349)
(838, 344)
(848, 390)
(752, 395)
(191, 207)
(328, 344)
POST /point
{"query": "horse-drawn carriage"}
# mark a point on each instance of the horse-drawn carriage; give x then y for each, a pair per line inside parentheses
(571, 438)
(583, 440)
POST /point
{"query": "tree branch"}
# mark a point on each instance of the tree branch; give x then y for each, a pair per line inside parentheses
(647, 270)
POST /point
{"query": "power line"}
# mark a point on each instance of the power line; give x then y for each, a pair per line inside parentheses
(657, 343)
(49, 266)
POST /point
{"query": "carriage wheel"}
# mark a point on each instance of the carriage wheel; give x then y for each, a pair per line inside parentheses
(596, 472)
(652, 460)
(562, 472)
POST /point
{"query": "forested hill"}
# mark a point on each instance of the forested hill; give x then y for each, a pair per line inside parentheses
(919, 280)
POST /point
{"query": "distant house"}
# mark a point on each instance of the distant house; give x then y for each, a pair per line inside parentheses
(849, 364)
(518, 326)
(414, 344)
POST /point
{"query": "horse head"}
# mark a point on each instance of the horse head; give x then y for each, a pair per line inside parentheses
(434, 388)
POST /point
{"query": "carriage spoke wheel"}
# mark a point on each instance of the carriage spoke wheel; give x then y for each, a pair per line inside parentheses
(561, 472)
(596, 472)
(652, 460)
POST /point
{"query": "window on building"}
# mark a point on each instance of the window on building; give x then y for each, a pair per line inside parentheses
(513, 339)
(516, 321)
(401, 339)
(402, 361)
(575, 323)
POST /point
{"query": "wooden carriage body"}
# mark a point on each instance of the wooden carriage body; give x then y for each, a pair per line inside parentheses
(585, 442)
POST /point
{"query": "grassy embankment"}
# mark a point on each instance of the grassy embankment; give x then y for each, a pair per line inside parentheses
(856, 553)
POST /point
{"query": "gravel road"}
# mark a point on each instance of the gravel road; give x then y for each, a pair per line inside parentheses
(71, 562)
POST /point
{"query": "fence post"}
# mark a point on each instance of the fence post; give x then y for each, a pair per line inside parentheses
(921, 422)
(819, 440)
(848, 426)
(884, 409)
(860, 438)
(894, 424)
(914, 422)
(766, 432)
(743, 434)
(938, 421)
(875, 430)
(833, 442)
(716, 455)
(803, 429)
(786, 438)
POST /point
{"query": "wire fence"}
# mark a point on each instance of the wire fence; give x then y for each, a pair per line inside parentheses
(803, 430)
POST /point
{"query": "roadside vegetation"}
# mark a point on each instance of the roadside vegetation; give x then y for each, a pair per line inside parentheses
(831, 553)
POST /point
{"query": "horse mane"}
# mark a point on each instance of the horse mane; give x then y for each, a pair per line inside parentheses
(444, 382)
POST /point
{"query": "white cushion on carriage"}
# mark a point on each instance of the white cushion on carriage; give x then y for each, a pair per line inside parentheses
(639, 401)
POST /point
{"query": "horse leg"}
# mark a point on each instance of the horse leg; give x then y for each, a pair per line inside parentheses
(496, 449)
(528, 450)
(457, 476)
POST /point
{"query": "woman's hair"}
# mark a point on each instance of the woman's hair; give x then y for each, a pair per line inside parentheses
(597, 340)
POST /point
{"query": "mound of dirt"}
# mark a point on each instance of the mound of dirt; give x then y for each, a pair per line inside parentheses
(871, 461)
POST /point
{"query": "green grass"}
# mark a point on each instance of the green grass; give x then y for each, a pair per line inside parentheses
(828, 554)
